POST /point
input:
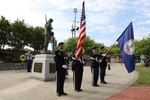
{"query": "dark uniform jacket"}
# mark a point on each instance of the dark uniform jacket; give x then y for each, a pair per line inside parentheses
(103, 59)
(59, 59)
(77, 65)
(94, 60)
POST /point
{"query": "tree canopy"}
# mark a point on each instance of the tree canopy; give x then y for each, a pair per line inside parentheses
(5, 30)
(18, 34)
(143, 46)
(71, 43)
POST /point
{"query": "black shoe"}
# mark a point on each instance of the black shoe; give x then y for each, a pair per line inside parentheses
(77, 90)
(95, 85)
(104, 82)
(63, 93)
(58, 94)
(80, 90)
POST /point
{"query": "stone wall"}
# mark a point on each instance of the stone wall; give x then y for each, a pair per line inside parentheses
(12, 66)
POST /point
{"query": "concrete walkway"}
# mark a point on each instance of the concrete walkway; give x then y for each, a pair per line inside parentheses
(16, 85)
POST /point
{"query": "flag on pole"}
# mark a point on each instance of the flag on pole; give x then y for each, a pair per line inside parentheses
(126, 44)
(82, 34)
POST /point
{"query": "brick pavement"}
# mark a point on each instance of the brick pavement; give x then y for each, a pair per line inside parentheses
(133, 93)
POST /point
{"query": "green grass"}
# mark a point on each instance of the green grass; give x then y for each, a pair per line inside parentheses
(144, 76)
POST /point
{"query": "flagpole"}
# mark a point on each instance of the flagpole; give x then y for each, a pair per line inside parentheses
(111, 47)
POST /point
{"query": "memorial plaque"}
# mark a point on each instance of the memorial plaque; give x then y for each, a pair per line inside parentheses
(38, 67)
(52, 68)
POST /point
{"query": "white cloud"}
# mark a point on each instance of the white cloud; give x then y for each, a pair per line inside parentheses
(147, 21)
(108, 7)
(22, 9)
(61, 4)
(141, 32)
(142, 7)
(144, 22)
(107, 42)
(62, 36)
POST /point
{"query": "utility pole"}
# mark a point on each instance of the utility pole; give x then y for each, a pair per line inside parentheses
(75, 11)
(74, 25)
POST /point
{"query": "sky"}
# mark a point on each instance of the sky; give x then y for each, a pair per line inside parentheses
(105, 19)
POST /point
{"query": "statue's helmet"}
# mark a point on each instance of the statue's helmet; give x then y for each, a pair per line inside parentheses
(50, 20)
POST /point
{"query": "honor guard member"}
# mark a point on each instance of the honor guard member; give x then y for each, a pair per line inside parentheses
(61, 69)
(103, 64)
(77, 68)
(94, 67)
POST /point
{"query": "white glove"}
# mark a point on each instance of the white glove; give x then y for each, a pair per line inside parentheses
(83, 62)
(103, 54)
(100, 60)
(64, 66)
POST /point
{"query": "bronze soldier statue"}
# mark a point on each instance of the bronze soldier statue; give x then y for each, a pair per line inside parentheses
(48, 33)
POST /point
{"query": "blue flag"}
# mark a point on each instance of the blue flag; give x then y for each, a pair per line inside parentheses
(126, 44)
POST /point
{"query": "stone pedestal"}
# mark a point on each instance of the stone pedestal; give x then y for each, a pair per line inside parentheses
(43, 67)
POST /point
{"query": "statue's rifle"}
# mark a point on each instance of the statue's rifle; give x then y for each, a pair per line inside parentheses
(46, 18)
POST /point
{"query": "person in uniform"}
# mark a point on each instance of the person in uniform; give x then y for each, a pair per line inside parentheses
(77, 68)
(103, 65)
(94, 67)
(61, 68)
(29, 57)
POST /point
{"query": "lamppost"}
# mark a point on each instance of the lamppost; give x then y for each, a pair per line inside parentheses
(74, 26)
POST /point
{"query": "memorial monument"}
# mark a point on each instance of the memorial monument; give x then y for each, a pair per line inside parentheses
(43, 67)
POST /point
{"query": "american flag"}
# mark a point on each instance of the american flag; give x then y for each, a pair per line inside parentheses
(82, 34)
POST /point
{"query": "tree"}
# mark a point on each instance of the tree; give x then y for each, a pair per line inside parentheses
(89, 43)
(71, 44)
(37, 38)
(20, 35)
(142, 46)
(115, 50)
(4, 31)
